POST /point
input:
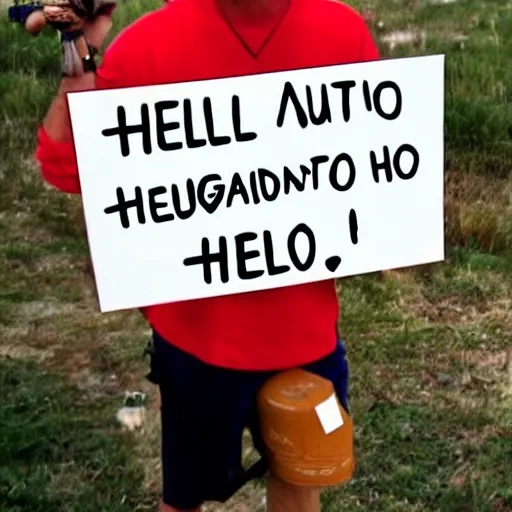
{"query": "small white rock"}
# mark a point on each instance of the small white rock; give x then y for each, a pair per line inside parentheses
(131, 417)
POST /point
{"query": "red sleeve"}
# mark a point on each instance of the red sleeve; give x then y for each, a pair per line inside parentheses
(368, 50)
(57, 160)
(57, 163)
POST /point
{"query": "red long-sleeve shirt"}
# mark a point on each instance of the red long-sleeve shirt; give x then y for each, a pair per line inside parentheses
(190, 40)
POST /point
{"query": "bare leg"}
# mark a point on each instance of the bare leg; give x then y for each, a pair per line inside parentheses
(166, 508)
(282, 497)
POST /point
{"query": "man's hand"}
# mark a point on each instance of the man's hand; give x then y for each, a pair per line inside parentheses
(64, 16)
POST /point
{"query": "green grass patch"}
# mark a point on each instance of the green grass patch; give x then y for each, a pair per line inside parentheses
(411, 457)
(57, 454)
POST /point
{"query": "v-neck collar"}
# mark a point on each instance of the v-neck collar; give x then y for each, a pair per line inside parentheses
(245, 30)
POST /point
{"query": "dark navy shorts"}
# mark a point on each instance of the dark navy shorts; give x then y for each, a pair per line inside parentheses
(205, 410)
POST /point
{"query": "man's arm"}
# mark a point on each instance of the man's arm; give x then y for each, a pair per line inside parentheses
(56, 123)
(55, 151)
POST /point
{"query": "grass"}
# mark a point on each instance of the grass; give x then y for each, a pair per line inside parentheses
(61, 453)
(429, 348)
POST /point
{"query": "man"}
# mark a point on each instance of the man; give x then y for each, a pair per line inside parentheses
(212, 356)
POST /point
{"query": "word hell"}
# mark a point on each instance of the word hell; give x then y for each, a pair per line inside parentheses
(207, 258)
(123, 130)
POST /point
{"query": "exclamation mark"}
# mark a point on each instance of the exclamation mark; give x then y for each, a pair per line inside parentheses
(352, 221)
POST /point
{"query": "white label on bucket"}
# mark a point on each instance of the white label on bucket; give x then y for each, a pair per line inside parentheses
(329, 414)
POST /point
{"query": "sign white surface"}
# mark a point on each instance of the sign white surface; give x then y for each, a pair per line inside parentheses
(237, 175)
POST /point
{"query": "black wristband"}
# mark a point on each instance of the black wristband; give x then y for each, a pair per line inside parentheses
(88, 62)
(89, 65)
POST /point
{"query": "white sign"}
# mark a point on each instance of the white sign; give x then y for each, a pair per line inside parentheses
(218, 187)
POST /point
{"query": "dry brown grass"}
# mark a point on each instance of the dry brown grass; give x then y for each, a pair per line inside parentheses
(478, 211)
